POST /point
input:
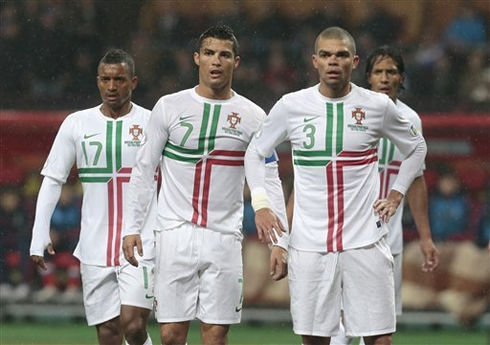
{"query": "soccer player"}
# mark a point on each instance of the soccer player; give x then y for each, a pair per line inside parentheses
(338, 256)
(385, 72)
(202, 133)
(103, 142)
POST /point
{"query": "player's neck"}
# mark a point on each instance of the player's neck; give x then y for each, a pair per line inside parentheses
(115, 113)
(211, 93)
(334, 92)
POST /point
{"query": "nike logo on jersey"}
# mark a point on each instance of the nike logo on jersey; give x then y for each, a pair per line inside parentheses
(149, 296)
(238, 309)
(86, 136)
(183, 118)
(309, 119)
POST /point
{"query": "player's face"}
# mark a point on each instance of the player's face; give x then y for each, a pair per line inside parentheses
(334, 59)
(115, 85)
(385, 77)
(216, 63)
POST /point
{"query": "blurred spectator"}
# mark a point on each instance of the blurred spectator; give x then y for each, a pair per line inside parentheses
(467, 29)
(63, 272)
(448, 209)
(483, 231)
(10, 50)
(474, 87)
(383, 27)
(279, 75)
(14, 251)
(464, 33)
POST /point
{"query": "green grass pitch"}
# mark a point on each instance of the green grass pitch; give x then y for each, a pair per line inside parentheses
(78, 333)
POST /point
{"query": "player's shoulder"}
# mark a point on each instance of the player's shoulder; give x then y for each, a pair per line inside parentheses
(369, 95)
(299, 95)
(246, 103)
(140, 110)
(176, 97)
(84, 114)
(407, 111)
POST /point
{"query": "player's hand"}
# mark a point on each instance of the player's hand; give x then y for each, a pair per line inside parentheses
(278, 263)
(39, 260)
(385, 208)
(268, 226)
(431, 256)
(129, 242)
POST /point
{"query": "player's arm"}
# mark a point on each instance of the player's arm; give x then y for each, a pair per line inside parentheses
(411, 143)
(418, 202)
(290, 210)
(269, 226)
(271, 134)
(278, 258)
(48, 197)
(56, 170)
(142, 183)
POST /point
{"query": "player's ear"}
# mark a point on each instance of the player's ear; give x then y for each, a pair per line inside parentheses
(196, 58)
(237, 61)
(356, 61)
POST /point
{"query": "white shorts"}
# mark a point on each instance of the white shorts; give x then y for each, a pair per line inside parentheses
(359, 280)
(105, 289)
(398, 260)
(198, 275)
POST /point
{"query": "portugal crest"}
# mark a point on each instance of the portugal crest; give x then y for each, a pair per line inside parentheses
(234, 120)
(359, 115)
(136, 131)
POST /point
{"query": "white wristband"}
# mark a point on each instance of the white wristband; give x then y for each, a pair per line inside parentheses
(260, 199)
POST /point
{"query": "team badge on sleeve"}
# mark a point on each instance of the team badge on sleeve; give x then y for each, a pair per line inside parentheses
(414, 130)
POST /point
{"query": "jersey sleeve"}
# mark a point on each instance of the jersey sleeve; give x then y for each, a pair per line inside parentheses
(272, 132)
(273, 187)
(141, 184)
(63, 152)
(408, 139)
(48, 196)
(418, 124)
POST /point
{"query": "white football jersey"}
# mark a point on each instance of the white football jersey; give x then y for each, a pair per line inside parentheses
(334, 145)
(390, 159)
(203, 142)
(104, 151)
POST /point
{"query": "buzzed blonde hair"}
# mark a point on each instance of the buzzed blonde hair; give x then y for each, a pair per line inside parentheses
(337, 33)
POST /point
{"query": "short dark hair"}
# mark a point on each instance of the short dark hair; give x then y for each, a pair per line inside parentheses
(117, 56)
(337, 33)
(385, 51)
(222, 32)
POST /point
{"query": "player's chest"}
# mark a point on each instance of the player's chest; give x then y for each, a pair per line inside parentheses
(335, 127)
(103, 143)
(212, 127)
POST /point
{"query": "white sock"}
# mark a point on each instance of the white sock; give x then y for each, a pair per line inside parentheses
(147, 342)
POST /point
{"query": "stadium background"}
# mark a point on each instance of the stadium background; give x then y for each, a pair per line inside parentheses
(49, 51)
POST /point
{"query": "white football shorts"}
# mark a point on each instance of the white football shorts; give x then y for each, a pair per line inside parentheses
(398, 261)
(359, 280)
(198, 274)
(105, 289)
